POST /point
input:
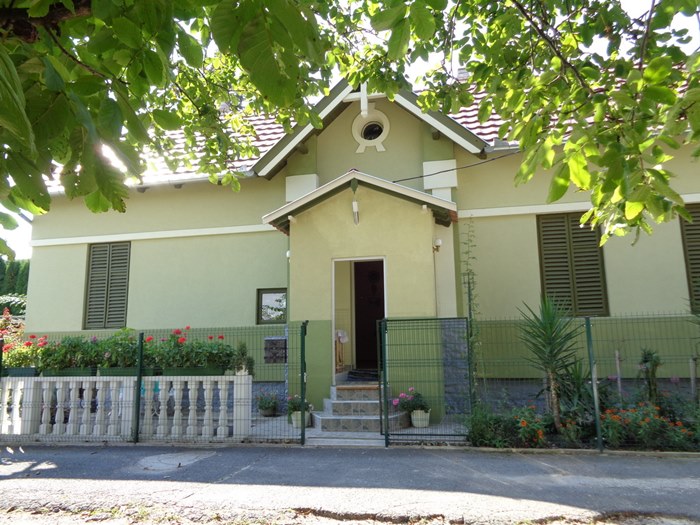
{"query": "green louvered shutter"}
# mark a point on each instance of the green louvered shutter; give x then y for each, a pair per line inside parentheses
(690, 232)
(571, 264)
(107, 285)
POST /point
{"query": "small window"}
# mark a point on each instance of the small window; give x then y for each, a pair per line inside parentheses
(372, 131)
(272, 306)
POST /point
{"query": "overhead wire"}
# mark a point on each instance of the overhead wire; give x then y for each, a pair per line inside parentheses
(458, 168)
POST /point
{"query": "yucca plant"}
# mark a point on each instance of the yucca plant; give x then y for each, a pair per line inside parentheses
(550, 336)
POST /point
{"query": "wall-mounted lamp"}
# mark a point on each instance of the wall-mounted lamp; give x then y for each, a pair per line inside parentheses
(356, 211)
(142, 189)
(436, 245)
(289, 254)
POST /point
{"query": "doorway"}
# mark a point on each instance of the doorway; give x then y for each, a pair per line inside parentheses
(368, 278)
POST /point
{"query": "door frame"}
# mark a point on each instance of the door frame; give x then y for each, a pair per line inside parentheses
(352, 291)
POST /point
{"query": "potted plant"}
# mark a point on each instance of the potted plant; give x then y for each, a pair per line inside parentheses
(294, 405)
(268, 403)
(415, 404)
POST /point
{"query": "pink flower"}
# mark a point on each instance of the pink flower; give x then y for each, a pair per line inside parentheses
(42, 344)
(6, 348)
(402, 395)
(411, 389)
(187, 327)
(182, 340)
(149, 339)
(395, 402)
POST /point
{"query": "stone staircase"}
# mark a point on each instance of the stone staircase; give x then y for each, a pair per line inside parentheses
(353, 408)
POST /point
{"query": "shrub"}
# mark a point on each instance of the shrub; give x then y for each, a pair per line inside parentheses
(120, 349)
(485, 428)
(643, 426)
(294, 404)
(267, 400)
(70, 352)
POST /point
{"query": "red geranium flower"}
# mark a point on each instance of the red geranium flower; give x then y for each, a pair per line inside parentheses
(221, 337)
(187, 327)
(28, 343)
(182, 340)
(177, 331)
(149, 339)
(32, 336)
(6, 348)
(211, 337)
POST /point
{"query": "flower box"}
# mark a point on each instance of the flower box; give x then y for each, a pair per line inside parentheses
(70, 372)
(194, 371)
(129, 371)
(19, 371)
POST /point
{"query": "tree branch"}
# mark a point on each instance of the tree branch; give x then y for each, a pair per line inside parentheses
(544, 36)
(645, 37)
(73, 57)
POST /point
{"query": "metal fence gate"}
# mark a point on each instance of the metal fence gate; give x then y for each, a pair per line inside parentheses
(430, 357)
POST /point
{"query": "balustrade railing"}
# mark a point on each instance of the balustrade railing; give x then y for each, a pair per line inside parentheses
(170, 408)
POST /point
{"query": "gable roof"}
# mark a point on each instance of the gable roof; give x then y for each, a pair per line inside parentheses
(444, 212)
(275, 146)
(329, 107)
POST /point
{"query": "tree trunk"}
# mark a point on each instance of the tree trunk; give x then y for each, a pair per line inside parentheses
(554, 401)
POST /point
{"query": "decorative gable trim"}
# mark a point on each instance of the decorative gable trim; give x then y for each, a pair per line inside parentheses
(444, 212)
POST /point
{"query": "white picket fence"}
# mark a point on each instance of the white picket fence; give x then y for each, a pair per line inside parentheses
(172, 409)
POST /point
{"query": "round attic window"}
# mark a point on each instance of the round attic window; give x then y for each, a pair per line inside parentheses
(372, 131)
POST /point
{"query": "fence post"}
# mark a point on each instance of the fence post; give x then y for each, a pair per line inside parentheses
(385, 381)
(594, 384)
(137, 393)
(2, 344)
(694, 379)
(303, 382)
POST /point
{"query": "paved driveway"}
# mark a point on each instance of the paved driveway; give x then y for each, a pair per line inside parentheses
(395, 484)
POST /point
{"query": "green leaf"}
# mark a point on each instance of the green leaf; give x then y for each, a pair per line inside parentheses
(136, 128)
(153, 67)
(559, 184)
(423, 21)
(30, 188)
(7, 221)
(83, 116)
(109, 119)
(227, 22)
(272, 75)
(578, 168)
(389, 18)
(13, 117)
(398, 41)
(633, 210)
(127, 32)
(660, 94)
(190, 49)
(303, 32)
(658, 69)
(166, 119)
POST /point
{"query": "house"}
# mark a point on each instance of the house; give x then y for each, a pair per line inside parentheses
(367, 218)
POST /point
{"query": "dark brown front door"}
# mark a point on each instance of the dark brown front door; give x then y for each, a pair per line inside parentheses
(369, 308)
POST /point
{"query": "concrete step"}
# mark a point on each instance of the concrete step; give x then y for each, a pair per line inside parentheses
(356, 392)
(351, 408)
(354, 441)
(326, 422)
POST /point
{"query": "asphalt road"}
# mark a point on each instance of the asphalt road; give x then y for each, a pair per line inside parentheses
(396, 484)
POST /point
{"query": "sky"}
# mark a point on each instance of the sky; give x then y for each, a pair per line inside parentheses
(19, 239)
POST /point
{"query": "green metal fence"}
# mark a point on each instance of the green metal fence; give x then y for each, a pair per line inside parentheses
(634, 384)
(430, 358)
